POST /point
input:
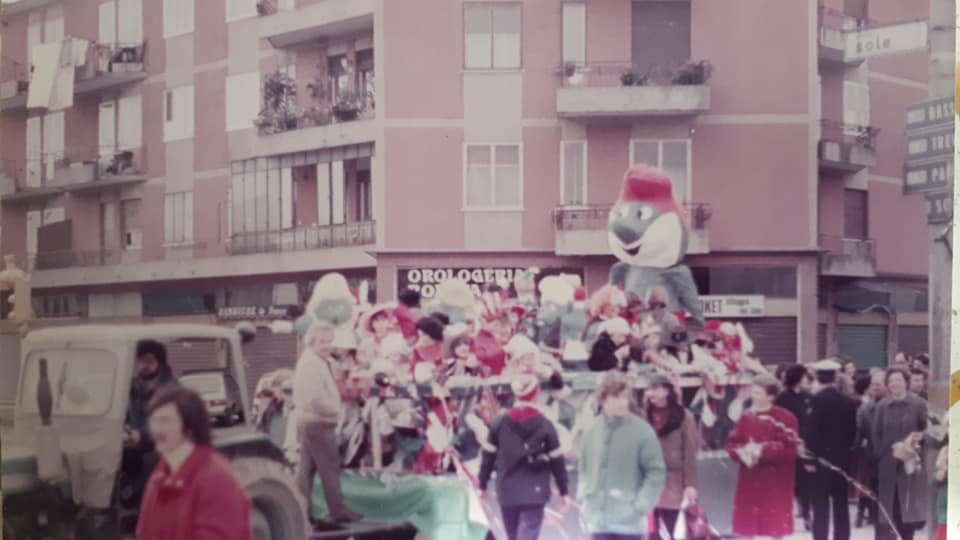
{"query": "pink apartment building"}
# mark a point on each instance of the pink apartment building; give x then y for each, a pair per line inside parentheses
(208, 159)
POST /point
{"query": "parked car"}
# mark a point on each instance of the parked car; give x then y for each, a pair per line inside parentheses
(212, 387)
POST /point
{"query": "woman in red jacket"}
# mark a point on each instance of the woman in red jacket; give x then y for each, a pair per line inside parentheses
(192, 494)
(764, 443)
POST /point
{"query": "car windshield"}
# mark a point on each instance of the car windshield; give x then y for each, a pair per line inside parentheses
(82, 381)
(204, 383)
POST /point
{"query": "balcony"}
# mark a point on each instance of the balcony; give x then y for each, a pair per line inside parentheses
(582, 230)
(77, 171)
(846, 149)
(303, 239)
(321, 21)
(612, 90)
(833, 26)
(11, 8)
(108, 66)
(847, 257)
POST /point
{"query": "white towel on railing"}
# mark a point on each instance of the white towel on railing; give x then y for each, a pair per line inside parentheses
(45, 60)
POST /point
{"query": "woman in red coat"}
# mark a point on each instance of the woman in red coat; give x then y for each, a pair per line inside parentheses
(192, 494)
(764, 443)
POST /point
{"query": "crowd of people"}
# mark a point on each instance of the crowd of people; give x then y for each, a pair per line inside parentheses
(480, 375)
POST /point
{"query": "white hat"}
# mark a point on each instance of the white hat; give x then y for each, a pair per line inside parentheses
(615, 326)
(344, 338)
(575, 351)
(520, 345)
(827, 364)
(556, 289)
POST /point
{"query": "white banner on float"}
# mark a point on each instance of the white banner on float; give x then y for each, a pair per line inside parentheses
(733, 306)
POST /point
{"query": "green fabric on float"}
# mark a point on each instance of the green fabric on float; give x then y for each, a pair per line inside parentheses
(437, 506)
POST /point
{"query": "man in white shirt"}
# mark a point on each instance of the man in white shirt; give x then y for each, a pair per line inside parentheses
(318, 406)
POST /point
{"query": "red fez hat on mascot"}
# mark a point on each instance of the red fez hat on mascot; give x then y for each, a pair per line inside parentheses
(648, 184)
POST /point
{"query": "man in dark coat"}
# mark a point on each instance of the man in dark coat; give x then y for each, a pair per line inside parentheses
(524, 450)
(796, 398)
(832, 434)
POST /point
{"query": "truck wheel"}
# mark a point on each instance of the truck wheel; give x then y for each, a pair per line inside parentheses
(278, 510)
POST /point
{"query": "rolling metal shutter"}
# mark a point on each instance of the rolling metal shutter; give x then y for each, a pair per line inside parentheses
(774, 338)
(821, 341)
(913, 339)
(268, 352)
(866, 345)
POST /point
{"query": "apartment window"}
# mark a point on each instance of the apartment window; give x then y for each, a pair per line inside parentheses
(241, 9)
(575, 32)
(364, 210)
(855, 212)
(129, 123)
(338, 72)
(51, 306)
(115, 305)
(672, 156)
(34, 144)
(131, 234)
(660, 34)
(856, 106)
(493, 178)
(261, 196)
(365, 80)
(243, 100)
(121, 22)
(774, 282)
(178, 17)
(573, 165)
(178, 218)
(331, 201)
(492, 35)
(178, 114)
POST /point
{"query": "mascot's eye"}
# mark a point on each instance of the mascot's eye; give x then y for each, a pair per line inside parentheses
(645, 213)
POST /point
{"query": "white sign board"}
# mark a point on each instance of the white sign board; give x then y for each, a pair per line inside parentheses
(734, 306)
(882, 40)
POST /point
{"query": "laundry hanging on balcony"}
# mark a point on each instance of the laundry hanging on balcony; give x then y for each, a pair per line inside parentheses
(54, 65)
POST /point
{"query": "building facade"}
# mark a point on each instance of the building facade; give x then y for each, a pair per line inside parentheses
(209, 160)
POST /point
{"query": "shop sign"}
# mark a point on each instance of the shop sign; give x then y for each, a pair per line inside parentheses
(930, 176)
(932, 113)
(940, 206)
(934, 143)
(883, 40)
(733, 306)
(253, 312)
(426, 279)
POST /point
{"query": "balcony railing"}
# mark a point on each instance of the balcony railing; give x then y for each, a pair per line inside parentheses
(852, 257)
(835, 131)
(14, 77)
(107, 58)
(302, 239)
(596, 217)
(75, 169)
(612, 74)
(833, 27)
(57, 260)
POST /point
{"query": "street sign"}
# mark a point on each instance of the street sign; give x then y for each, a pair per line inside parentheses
(744, 305)
(882, 40)
(933, 143)
(940, 207)
(931, 175)
(927, 114)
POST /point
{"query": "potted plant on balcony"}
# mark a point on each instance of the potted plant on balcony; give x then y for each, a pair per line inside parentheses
(347, 106)
(631, 78)
(693, 73)
(280, 111)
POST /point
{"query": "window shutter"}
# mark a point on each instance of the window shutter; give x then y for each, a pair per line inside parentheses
(478, 36)
(108, 22)
(130, 14)
(34, 152)
(324, 194)
(130, 130)
(574, 185)
(506, 36)
(574, 32)
(107, 131)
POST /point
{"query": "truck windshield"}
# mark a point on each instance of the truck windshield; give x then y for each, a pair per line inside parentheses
(203, 383)
(82, 381)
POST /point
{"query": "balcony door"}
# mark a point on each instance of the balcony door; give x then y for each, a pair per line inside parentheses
(660, 35)
(855, 212)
